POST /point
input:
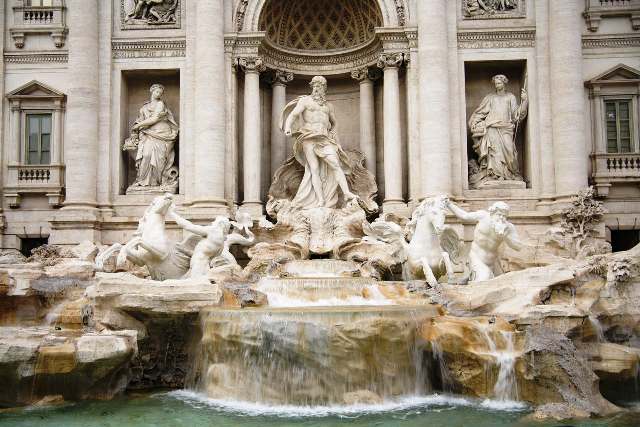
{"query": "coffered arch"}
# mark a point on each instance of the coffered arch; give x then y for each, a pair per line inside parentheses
(247, 14)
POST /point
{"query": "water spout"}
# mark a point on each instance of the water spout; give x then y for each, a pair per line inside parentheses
(597, 327)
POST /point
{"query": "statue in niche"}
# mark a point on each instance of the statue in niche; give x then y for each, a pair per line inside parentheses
(491, 231)
(311, 120)
(153, 12)
(153, 137)
(494, 127)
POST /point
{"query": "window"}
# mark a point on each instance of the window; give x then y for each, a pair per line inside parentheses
(623, 240)
(39, 3)
(38, 139)
(618, 120)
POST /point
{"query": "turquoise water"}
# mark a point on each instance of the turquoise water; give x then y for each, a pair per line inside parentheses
(183, 409)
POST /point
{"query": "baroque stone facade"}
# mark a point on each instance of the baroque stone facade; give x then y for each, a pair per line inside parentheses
(404, 78)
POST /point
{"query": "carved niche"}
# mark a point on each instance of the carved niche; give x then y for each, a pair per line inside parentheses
(149, 14)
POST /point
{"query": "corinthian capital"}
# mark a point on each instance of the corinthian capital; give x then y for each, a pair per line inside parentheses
(360, 74)
(282, 77)
(251, 64)
(388, 60)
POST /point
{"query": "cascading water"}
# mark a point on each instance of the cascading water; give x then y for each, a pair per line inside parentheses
(597, 328)
(506, 386)
(443, 371)
(315, 356)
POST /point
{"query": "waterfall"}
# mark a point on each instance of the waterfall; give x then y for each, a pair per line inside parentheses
(506, 386)
(312, 356)
(445, 376)
(597, 327)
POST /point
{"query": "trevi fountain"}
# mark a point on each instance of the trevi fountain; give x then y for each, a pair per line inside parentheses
(364, 283)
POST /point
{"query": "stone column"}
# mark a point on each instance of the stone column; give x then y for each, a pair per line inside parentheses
(413, 140)
(367, 118)
(210, 123)
(278, 102)
(56, 156)
(252, 147)
(16, 138)
(434, 97)
(567, 102)
(547, 172)
(393, 201)
(81, 130)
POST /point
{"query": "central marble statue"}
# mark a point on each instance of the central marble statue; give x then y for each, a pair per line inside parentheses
(311, 121)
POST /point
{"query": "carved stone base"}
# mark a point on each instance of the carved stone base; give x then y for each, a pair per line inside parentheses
(501, 185)
(170, 188)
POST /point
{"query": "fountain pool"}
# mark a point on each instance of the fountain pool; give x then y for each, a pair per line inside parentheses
(177, 409)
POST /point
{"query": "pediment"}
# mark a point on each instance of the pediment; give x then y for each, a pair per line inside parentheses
(35, 90)
(620, 74)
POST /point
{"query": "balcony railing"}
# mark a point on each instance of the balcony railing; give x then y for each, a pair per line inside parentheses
(611, 168)
(38, 20)
(34, 179)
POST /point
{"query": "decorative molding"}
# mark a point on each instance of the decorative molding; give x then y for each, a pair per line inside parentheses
(496, 9)
(596, 10)
(402, 15)
(251, 64)
(390, 60)
(148, 49)
(36, 58)
(496, 39)
(170, 17)
(242, 9)
(333, 63)
(617, 41)
(282, 77)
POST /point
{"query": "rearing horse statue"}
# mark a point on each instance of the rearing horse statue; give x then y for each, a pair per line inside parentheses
(433, 247)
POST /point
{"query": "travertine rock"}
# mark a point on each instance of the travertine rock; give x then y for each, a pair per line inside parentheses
(34, 359)
(85, 251)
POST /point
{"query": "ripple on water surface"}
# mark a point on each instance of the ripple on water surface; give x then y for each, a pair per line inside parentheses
(180, 408)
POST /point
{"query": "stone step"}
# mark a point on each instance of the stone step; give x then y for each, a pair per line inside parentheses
(335, 291)
(321, 268)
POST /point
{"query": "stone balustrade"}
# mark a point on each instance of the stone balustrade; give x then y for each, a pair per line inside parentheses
(612, 168)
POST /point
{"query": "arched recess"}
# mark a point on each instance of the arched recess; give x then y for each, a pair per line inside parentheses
(247, 13)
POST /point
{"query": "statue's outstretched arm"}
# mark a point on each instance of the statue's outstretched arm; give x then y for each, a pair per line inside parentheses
(188, 225)
(512, 239)
(464, 215)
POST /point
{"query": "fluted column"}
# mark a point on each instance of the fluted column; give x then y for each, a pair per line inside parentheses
(367, 118)
(567, 102)
(210, 125)
(393, 200)
(81, 130)
(278, 102)
(252, 147)
(434, 97)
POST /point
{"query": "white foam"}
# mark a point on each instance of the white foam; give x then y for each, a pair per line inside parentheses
(280, 300)
(431, 402)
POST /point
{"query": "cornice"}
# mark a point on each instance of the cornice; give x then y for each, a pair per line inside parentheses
(516, 38)
(148, 48)
(36, 57)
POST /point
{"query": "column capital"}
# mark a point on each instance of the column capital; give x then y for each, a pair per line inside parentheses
(390, 60)
(251, 64)
(281, 77)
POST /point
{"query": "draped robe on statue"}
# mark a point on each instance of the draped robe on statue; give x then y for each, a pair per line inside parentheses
(325, 143)
(155, 154)
(492, 125)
